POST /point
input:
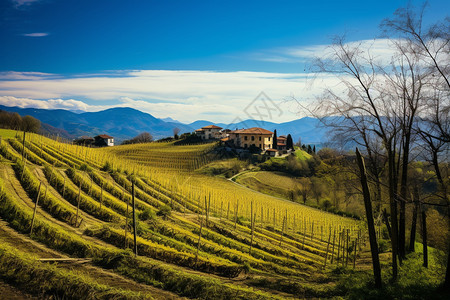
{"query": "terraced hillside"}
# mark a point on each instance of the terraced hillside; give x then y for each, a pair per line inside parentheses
(67, 227)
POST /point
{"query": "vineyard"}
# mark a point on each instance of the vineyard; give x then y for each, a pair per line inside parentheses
(68, 219)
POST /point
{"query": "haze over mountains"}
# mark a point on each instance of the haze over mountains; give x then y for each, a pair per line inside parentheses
(125, 123)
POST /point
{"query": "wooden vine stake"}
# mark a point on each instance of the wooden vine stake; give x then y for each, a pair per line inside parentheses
(326, 253)
(199, 239)
(35, 208)
(126, 221)
(252, 226)
(78, 204)
(134, 217)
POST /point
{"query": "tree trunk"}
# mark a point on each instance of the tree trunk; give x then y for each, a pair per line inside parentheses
(393, 207)
(386, 221)
(424, 238)
(412, 237)
(370, 223)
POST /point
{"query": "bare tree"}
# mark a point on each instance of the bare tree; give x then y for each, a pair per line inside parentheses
(176, 131)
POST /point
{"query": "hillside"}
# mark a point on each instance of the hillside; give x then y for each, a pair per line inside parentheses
(196, 237)
(125, 123)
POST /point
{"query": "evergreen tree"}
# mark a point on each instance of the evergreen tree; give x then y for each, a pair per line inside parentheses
(289, 142)
(275, 142)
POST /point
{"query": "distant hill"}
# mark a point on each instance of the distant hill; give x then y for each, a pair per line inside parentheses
(121, 123)
(306, 128)
(125, 123)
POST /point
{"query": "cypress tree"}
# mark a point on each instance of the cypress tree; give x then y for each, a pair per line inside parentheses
(275, 142)
(289, 142)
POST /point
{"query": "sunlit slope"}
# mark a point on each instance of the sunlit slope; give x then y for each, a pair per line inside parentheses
(194, 232)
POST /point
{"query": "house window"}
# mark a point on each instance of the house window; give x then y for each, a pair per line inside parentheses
(260, 146)
(253, 138)
(260, 139)
(269, 138)
(245, 145)
(245, 138)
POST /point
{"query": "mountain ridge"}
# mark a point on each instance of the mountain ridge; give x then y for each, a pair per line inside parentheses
(125, 123)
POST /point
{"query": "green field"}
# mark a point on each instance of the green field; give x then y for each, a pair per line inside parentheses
(198, 236)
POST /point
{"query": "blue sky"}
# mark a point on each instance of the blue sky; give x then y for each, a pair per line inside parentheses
(90, 55)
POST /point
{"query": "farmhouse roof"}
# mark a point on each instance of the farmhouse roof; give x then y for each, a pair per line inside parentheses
(253, 130)
(211, 127)
(281, 144)
(271, 150)
(282, 137)
(84, 137)
(225, 139)
(199, 130)
(104, 136)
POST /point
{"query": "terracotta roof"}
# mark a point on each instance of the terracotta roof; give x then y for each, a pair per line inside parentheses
(281, 144)
(104, 136)
(282, 137)
(211, 127)
(253, 130)
(271, 150)
(225, 139)
(84, 137)
(199, 130)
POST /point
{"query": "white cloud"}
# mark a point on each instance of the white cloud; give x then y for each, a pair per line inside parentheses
(378, 48)
(179, 94)
(25, 75)
(36, 34)
(19, 3)
(44, 104)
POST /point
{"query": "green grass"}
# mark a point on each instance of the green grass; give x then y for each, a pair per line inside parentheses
(302, 155)
(8, 133)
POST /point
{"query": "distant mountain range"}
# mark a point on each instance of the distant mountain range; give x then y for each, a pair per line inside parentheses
(125, 123)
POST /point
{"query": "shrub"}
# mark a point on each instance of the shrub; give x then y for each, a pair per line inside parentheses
(164, 211)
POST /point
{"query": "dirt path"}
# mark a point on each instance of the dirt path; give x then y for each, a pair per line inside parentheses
(11, 293)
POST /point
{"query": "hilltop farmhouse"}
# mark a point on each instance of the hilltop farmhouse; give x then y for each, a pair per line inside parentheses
(255, 137)
(102, 140)
(209, 132)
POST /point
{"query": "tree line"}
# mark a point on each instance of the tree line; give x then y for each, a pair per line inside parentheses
(12, 120)
(394, 109)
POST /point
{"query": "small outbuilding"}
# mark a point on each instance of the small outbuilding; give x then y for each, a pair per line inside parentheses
(103, 140)
(272, 152)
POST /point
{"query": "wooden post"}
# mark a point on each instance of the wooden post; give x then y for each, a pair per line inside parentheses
(252, 225)
(101, 197)
(283, 225)
(334, 240)
(35, 208)
(326, 253)
(354, 253)
(23, 146)
(220, 212)
(348, 239)
(228, 211)
(78, 204)
(303, 243)
(64, 187)
(126, 222)
(199, 239)
(134, 217)
(339, 248)
(236, 215)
